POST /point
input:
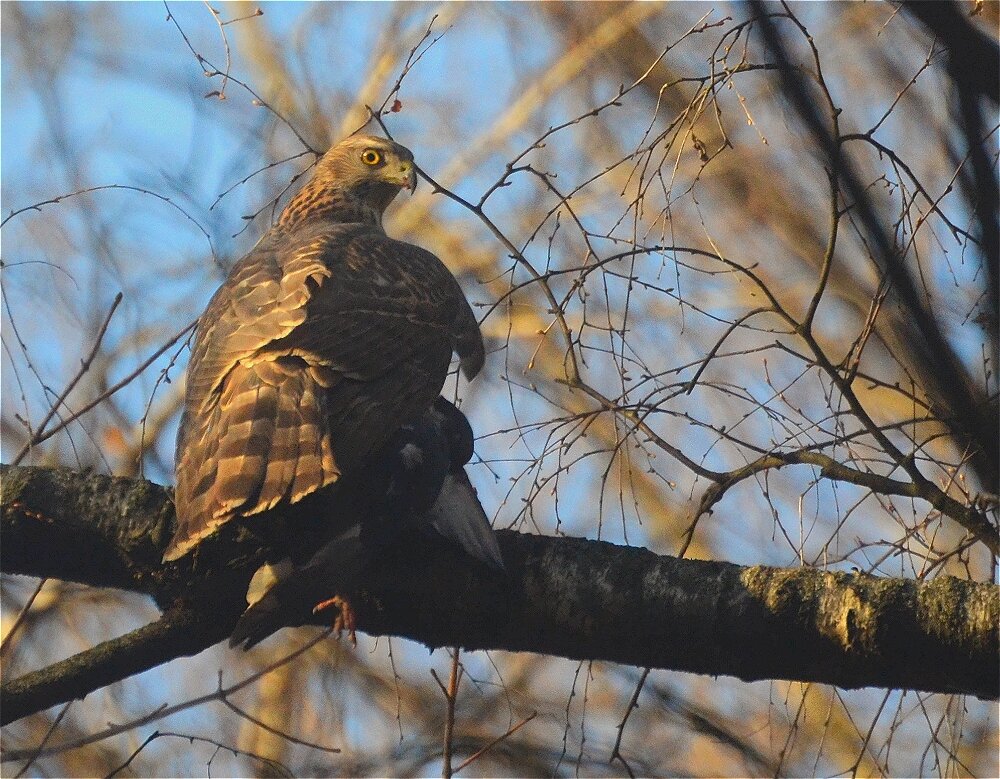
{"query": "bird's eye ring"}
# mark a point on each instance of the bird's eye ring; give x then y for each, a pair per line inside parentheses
(371, 157)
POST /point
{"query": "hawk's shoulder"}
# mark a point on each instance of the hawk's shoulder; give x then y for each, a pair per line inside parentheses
(419, 281)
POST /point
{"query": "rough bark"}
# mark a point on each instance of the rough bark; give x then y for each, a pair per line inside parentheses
(560, 596)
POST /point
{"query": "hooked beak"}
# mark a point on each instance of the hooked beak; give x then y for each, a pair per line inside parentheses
(407, 176)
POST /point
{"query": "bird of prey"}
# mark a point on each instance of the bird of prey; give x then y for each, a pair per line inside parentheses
(324, 340)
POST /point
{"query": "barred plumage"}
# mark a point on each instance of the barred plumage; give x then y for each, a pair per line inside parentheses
(324, 340)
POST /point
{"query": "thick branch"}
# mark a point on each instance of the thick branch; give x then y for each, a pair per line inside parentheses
(559, 596)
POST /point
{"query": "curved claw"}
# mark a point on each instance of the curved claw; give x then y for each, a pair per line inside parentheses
(346, 619)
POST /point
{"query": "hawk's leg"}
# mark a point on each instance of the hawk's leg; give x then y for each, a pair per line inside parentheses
(345, 619)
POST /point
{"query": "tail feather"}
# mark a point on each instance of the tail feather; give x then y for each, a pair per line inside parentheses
(284, 454)
(278, 608)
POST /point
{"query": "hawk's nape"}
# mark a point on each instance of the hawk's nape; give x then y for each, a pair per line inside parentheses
(322, 342)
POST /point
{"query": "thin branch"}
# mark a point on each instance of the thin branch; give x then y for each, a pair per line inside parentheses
(202, 62)
(118, 385)
(633, 704)
(968, 516)
(273, 730)
(167, 711)
(451, 697)
(37, 751)
(21, 616)
(104, 187)
(277, 767)
(510, 731)
(85, 364)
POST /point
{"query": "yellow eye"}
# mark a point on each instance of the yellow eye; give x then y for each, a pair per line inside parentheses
(371, 157)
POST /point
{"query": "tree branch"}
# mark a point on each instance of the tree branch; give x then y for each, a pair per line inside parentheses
(559, 596)
(972, 412)
(177, 633)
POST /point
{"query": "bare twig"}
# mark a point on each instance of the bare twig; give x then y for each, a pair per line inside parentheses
(40, 432)
(117, 386)
(499, 739)
(633, 704)
(220, 694)
(21, 616)
(37, 751)
(451, 696)
(279, 768)
(103, 188)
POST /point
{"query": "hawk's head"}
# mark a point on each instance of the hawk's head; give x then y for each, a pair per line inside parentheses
(369, 168)
(354, 181)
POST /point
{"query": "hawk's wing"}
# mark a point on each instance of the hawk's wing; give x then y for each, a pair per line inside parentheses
(318, 346)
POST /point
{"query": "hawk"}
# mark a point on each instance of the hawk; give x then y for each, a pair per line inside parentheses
(323, 341)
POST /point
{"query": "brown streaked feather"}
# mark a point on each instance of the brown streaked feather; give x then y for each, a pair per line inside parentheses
(315, 451)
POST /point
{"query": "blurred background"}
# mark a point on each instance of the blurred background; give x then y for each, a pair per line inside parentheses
(650, 195)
